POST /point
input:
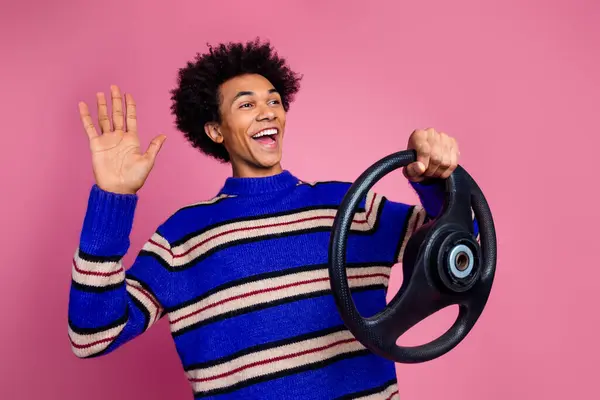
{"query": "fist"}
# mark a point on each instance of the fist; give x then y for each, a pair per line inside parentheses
(437, 155)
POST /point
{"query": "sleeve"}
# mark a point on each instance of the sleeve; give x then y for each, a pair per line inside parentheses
(431, 196)
(109, 306)
(397, 221)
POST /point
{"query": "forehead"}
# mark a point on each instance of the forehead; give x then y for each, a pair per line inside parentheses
(245, 83)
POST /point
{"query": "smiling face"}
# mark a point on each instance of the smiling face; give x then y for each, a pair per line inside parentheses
(252, 125)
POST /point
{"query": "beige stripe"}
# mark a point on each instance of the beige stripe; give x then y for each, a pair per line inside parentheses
(304, 220)
(473, 218)
(271, 289)
(210, 201)
(86, 345)
(274, 360)
(160, 240)
(390, 392)
(148, 301)
(309, 183)
(415, 222)
(97, 274)
(159, 246)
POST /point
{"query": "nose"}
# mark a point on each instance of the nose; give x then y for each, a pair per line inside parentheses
(265, 113)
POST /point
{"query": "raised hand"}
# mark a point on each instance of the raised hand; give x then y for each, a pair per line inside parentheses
(118, 163)
(437, 155)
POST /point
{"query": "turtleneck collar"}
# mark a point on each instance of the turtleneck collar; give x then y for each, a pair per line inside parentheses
(259, 185)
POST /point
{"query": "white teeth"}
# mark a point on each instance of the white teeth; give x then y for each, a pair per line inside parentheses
(266, 132)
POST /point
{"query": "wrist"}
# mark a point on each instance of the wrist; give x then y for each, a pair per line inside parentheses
(108, 222)
(115, 189)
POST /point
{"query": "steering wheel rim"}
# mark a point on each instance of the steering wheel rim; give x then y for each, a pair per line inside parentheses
(432, 280)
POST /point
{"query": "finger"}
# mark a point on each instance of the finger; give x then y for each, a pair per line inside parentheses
(454, 155)
(431, 135)
(154, 147)
(435, 160)
(444, 165)
(131, 113)
(423, 154)
(103, 119)
(86, 119)
(117, 108)
(453, 163)
(446, 158)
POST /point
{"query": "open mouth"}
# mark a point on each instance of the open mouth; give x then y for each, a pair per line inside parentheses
(266, 137)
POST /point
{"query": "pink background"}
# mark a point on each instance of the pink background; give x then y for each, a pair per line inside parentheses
(515, 81)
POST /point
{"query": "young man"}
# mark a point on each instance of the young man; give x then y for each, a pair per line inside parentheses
(242, 277)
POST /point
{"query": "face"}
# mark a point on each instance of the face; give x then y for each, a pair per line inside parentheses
(252, 125)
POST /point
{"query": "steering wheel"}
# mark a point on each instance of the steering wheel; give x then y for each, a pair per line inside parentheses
(443, 264)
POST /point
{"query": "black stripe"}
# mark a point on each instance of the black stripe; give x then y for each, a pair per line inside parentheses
(143, 284)
(368, 392)
(255, 218)
(271, 275)
(281, 374)
(98, 258)
(226, 245)
(409, 214)
(269, 345)
(325, 183)
(249, 240)
(270, 304)
(144, 311)
(98, 329)
(96, 289)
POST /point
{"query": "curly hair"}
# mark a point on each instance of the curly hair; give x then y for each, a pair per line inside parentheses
(196, 99)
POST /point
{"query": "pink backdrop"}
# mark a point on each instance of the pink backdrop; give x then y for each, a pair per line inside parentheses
(515, 81)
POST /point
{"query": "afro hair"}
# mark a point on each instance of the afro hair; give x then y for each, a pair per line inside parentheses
(196, 99)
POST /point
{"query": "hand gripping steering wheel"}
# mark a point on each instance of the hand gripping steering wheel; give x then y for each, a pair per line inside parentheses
(443, 264)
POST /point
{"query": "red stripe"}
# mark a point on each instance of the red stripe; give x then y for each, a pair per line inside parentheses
(392, 395)
(286, 286)
(85, 346)
(96, 273)
(362, 221)
(149, 297)
(271, 360)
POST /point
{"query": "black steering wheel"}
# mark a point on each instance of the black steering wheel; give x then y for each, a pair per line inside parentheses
(443, 264)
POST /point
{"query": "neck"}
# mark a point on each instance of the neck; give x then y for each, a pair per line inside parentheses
(248, 171)
(259, 184)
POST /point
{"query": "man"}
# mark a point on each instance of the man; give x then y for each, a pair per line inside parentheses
(243, 276)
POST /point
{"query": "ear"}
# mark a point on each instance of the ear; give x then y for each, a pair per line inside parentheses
(213, 131)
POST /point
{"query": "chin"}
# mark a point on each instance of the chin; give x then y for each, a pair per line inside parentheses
(268, 161)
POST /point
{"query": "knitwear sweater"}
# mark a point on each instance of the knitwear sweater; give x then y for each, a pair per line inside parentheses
(243, 281)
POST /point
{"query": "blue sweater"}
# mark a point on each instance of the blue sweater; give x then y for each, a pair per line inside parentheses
(243, 280)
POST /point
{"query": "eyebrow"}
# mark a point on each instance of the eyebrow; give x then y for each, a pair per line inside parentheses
(249, 93)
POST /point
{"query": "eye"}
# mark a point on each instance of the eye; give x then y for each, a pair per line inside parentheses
(245, 105)
(275, 101)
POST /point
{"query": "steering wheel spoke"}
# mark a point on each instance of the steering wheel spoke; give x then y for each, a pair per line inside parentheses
(414, 302)
(458, 206)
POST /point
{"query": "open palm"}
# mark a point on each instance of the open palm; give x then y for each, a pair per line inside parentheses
(118, 162)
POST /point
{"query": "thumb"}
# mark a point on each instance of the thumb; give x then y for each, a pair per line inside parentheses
(414, 171)
(155, 146)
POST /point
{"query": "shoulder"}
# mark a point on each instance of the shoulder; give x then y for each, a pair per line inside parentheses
(194, 217)
(336, 190)
(333, 186)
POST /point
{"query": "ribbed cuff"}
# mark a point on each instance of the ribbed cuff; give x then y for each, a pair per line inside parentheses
(432, 195)
(108, 222)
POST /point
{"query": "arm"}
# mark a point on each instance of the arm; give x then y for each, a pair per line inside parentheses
(431, 196)
(109, 306)
(399, 221)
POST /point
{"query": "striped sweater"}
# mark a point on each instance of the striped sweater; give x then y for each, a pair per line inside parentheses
(243, 281)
